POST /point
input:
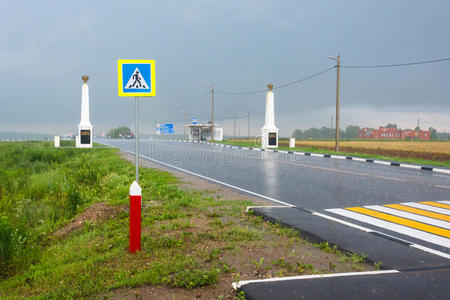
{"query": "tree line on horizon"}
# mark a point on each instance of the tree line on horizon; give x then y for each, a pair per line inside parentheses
(351, 132)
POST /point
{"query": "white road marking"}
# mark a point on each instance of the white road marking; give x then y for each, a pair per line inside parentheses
(338, 157)
(342, 222)
(441, 170)
(428, 207)
(380, 162)
(426, 249)
(410, 216)
(418, 234)
(445, 202)
(239, 284)
(359, 159)
(214, 180)
(442, 186)
(410, 166)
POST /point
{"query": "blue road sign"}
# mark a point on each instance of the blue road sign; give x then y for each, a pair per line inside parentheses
(136, 77)
(168, 129)
(194, 120)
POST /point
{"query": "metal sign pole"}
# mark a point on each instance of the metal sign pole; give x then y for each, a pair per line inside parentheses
(137, 138)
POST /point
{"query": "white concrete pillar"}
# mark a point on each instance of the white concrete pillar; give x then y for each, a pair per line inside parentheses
(269, 132)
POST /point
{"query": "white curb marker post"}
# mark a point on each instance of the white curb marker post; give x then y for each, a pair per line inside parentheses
(136, 78)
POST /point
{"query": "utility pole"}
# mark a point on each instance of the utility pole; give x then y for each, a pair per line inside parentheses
(212, 113)
(234, 132)
(418, 123)
(248, 114)
(338, 83)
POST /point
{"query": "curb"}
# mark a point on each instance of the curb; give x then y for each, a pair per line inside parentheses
(367, 160)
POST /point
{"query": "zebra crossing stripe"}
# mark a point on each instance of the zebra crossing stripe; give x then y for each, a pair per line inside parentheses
(428, 207)
(419, 212)
(437, 204)
(410, 216)
(418, 234)
(402, 221)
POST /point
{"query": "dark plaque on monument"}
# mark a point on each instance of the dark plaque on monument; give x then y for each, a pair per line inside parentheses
(272, 139)
(85, 136)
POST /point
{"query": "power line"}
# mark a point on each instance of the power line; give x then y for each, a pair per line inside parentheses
(197, 100)
(396, 65)
(303, 79)
(278, 86)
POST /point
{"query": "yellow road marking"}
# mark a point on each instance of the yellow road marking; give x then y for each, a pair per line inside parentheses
(419, 212)
(437, 204)
(402, 221)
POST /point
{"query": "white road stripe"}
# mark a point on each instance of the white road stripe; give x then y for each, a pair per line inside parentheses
(445, 202)
(418, 234)
(410, 166)
(338, 157)
(410, 216)
(214, 180)
(359, 159)
(428, 207)
(380, 162)
(441, 170)
(239, 284)
(342, 222)
(435, 252)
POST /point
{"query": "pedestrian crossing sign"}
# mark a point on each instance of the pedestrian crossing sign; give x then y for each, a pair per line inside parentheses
(136, 77)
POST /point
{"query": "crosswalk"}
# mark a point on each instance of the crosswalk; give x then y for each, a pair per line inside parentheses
(428, 221)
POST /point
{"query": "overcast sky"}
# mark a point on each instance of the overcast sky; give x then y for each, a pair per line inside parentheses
(46, 46)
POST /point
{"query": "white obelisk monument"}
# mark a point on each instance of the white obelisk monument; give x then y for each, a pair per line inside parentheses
(269, 132)
(84, 137)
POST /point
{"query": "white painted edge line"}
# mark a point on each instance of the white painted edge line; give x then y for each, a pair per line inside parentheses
(359, 159)
(445, 202)
(435, 252)
(337, 157)
(380, 162)
(445, 171)
(214, 180)
(410, 166)
(239, 284)
(267, 206)
(343, 222)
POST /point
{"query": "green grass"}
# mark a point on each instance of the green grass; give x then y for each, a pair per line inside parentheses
(356, 154)
(43, 188)
(185, 233)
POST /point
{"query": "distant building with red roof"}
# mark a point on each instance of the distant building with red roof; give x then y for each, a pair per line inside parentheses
(392, 133)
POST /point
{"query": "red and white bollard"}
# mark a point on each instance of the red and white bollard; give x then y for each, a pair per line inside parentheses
(135, 217)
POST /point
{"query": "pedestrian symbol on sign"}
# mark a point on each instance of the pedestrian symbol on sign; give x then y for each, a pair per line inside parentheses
(136, 81)
(136, 77)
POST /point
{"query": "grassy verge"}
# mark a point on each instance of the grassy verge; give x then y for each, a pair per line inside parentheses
(190, 238)
(356, 154)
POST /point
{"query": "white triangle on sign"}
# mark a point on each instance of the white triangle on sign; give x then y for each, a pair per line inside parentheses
(136, 81)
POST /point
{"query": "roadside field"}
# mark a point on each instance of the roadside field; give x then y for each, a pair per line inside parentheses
(64, 232)
(419, 152)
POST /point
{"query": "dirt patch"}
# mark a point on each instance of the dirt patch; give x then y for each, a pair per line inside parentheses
(94, 213)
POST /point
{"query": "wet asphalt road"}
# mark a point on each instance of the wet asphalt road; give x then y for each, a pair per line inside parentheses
(309, 182)
(313, 183)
